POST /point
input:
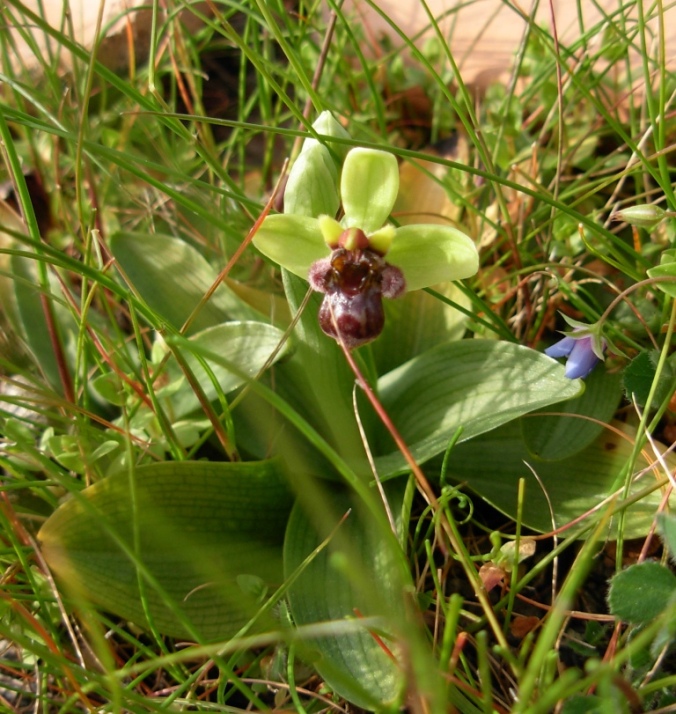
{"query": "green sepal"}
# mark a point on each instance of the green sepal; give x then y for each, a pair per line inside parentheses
(326, 125)
(312, 187)
(431, 254)
(368, 187)
(294, 242)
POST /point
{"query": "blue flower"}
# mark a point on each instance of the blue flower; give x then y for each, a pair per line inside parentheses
(583, 347)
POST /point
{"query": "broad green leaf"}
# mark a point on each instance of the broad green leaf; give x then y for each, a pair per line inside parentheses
(431, 254)
(667, 274)
(639, 375)
(472, 385)
(579, 421)
(172, 277)
(666, 523)
(187, 531)
(247, 346)
(356, 577)
(294, 242)
(369, 185)
(11, 346)
(317, 385)
(270, 305)
(32, 320)
(641, 593)
(492, 464)
(417, 322)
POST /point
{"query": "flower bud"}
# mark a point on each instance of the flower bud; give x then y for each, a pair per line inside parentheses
(645, 216)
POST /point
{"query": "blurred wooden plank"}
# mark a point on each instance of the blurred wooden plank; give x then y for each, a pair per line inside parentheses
(125, 29)
(484, 35)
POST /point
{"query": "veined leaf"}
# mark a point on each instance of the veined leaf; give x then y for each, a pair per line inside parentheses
(245, 345)
(642, 592)
(493, 463)
(356, 576)
(472, 385)
(417, 322)
(171, 541)
(172, 277)
(32, 319)
(580, 421)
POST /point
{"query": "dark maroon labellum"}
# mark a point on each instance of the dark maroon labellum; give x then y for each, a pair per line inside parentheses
(354, 283)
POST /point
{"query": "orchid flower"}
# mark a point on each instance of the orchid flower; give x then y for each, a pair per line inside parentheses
(360, 259)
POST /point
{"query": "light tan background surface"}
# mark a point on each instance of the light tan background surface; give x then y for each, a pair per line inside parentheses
(483, 34)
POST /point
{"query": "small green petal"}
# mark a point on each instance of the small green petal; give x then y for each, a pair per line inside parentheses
(331, 230)
(312, 188)
(430, 254)
(598, 346)
(382, 239)
(294, 242)
(368, 188)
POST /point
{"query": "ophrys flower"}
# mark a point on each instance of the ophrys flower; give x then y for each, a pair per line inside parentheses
(361, 259)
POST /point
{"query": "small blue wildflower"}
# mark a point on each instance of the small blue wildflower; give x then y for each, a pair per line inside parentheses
(583, 347)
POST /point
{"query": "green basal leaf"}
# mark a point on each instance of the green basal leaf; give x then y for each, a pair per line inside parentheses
(247, 346)
(187, 531)
(11, 347)
(312, 187)
(472, 385)
(33, 323)
(431, 254)
(271, 306)
(666, 523)
(293, 242)
(666, 270)
(640, 374)
(368, 188)
(641, 593)
(579, 422)
(172, 277)
(355, 577)
(581, 704)
(492, 465)
(417, 322)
